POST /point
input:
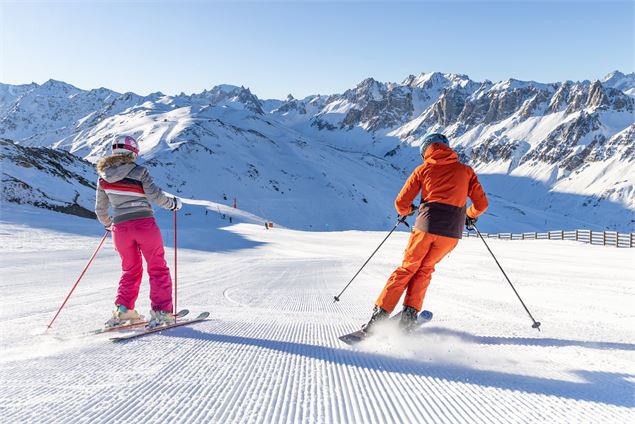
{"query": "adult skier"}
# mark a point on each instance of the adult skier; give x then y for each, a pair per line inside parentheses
(444, 184)
(128, 189)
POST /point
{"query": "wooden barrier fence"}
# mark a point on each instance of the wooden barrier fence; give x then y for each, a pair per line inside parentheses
(605, 238)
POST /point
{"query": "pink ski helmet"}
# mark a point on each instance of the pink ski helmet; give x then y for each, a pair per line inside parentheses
(125, 144)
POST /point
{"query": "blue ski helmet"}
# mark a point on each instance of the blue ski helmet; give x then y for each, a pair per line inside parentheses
(431, 139)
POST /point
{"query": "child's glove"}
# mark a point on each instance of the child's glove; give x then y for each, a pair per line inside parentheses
(177, 204)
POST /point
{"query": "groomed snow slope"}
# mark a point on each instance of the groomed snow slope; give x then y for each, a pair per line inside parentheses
(270, 353)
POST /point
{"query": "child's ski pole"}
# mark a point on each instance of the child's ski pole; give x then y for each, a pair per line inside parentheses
(79, 279)
(175, 274)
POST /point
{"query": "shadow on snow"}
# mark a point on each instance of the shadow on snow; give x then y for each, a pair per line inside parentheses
(603, 387)
(528, 341)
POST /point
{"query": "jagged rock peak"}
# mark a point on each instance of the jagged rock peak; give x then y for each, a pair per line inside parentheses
(617, 75)
(230, 93)
(620, 81)
(52, 84)
(512, 84)
(369, 86)
(367, 82)
(421, 79)
(597, 96)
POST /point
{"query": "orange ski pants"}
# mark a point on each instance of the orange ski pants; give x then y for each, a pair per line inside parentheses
(424, 251)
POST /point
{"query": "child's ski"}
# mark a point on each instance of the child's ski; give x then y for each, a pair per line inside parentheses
(180, 314)
(158, 329)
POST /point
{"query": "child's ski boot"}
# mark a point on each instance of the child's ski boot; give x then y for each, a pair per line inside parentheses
(158, 318)
(122, 315)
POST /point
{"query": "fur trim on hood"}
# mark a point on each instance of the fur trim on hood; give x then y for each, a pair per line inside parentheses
(114, 160)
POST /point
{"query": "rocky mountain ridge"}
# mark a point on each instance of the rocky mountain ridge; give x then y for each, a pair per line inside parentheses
(573, 139)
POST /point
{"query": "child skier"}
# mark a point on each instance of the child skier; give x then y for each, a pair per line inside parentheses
(444, 184)
(129, 189)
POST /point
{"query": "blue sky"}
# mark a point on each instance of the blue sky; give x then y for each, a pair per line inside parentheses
(276, 48)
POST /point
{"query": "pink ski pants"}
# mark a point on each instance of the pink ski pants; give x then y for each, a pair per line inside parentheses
(132, 239)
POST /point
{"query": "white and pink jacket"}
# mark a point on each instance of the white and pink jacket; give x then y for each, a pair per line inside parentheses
(129, 189)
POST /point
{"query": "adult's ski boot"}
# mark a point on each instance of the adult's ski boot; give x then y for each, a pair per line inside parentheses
(378, 315)
(408, 320)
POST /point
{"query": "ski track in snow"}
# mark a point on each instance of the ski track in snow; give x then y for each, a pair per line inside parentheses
(270, 350)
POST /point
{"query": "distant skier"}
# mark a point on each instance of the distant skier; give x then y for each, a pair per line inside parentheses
(129, 189)
(444, 184)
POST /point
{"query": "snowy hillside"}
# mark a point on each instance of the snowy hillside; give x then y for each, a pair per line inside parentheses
(551, 155)
(269, 352)
(46, 178)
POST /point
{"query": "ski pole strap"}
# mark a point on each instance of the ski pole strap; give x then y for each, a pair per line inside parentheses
(402, 220)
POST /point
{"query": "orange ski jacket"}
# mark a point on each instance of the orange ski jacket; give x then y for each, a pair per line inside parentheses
(444, 184)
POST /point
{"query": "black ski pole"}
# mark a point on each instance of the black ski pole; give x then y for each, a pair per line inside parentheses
(400, 220)
(535, 324)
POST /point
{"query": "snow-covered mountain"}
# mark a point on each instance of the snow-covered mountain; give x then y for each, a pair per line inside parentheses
(566, 147)
(554, 155)
(47, 178)
(620, 81)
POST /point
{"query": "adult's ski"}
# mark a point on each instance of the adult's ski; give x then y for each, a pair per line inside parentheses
(201, 317)
(136, 324)
(359, 335)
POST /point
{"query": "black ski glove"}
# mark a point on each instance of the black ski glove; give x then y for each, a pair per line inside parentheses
(469, 222)
(413, 209)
